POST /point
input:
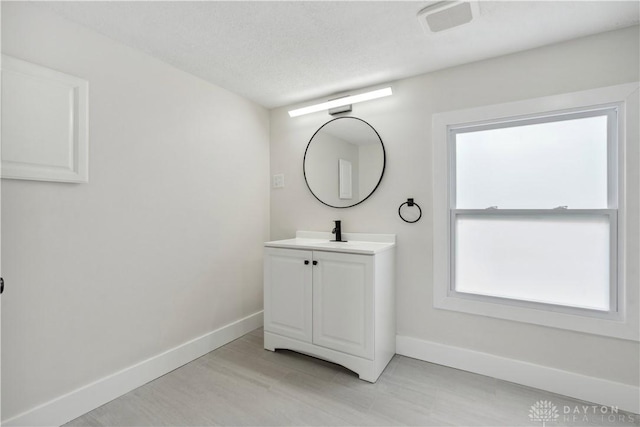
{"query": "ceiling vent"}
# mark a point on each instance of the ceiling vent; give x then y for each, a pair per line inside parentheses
(444, 15)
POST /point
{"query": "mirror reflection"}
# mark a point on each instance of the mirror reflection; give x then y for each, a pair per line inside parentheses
(344, 162)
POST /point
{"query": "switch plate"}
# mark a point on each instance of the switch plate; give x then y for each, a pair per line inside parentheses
(278, 180)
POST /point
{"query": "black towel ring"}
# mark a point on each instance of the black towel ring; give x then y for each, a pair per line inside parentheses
(410, 202)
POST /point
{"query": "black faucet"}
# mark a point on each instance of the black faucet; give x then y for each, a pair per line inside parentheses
(338, 232)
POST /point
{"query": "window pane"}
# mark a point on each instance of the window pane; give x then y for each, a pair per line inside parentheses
(541, 165)
(551, 259)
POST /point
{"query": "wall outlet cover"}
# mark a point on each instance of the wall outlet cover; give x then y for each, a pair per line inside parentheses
(278, 180)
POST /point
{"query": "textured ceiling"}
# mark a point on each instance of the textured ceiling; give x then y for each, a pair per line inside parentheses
(279, 53)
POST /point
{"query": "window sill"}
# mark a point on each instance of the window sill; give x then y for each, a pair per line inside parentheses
(614, 327)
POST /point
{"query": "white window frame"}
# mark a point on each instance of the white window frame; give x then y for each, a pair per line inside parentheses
(620, 100)
(611, 111)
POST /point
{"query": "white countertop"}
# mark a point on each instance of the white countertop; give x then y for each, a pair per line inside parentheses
(357, 243)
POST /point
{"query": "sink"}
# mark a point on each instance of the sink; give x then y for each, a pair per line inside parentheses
(358, 243)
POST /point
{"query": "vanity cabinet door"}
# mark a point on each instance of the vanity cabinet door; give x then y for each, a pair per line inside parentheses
(287, 293)
(343, 287)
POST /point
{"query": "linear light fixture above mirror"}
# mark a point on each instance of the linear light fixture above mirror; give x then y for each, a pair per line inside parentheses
(351, 99)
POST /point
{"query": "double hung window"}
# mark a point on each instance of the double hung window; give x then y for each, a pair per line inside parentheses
(533, 211)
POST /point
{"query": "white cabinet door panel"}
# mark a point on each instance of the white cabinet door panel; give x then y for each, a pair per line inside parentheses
(287, 293)
(343, 303)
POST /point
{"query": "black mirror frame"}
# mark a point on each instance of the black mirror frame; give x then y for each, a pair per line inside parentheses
(384, 162)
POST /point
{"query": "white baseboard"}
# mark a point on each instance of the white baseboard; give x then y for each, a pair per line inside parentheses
(603, 392)
(78, 402)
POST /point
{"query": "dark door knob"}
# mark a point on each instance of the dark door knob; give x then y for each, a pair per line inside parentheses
(1, 285)
(315, 262)
(306, 262)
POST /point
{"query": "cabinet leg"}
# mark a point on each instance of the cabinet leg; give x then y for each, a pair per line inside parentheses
(268, 345)
(368, 378)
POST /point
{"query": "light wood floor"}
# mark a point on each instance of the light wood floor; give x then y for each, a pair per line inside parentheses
(242, 384)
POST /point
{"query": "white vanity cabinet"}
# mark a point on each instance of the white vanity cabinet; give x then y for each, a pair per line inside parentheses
(332, 300)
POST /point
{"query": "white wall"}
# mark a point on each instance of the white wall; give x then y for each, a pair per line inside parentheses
(163, 244)
(404, 123)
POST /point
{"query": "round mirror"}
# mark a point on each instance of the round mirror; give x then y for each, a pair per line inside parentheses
(344, 162)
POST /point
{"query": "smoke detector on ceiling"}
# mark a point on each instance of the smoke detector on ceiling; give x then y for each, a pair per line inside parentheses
(444, 15)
